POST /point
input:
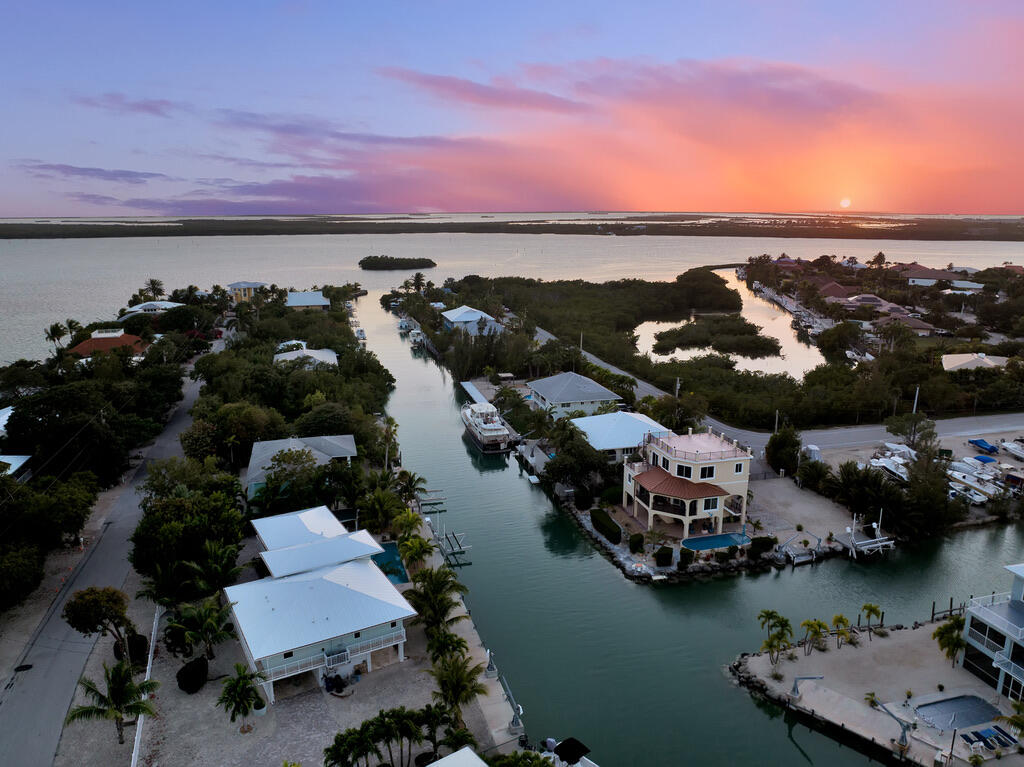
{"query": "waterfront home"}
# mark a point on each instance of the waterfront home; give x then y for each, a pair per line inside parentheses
(618, 435)
(312, 357)
(16, 466)
(244, 291)
(308, 300)
(471, 321)
(337, 447)
(922, 276)
(689, 482)
(568, 392)
(107, 339)
(325, 608)
(994, 631)
(147, 307)
(917, 326)
(972, 361)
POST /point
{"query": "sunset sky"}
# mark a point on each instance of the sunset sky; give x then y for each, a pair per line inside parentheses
(199, 108)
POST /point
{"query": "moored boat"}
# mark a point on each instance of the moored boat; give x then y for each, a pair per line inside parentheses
(485, 427)
(567, 753)
(416, 338)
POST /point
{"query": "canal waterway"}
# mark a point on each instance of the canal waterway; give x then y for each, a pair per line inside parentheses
(637, 672)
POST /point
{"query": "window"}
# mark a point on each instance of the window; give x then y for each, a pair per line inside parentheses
(684, 471)
(707, 472)
(710, 504)
(394, 623)
(356, 635)
(288, 654)
(739, 468)
(664, 463)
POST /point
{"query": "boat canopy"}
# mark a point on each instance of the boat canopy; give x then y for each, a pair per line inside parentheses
(483, 408)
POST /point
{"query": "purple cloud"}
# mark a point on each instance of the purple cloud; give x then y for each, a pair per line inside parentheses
(504, 95)
(51, 170)
(121, 104)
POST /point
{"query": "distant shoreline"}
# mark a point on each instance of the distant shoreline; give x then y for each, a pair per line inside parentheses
(936, 229)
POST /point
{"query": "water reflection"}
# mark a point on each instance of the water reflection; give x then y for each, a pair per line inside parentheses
(796, 357)
(562, 538)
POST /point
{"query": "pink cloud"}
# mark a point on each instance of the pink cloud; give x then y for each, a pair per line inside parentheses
(501, 95)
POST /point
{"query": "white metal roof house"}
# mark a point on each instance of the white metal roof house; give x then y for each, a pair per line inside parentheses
(618, 435)
(972, 361)
(567, 392)
(324, 450)
(326, 607)
(5, 414)
(312, 357)
(469, 320)
(464, 757)
(148, 307)
(17, 466)
(308, 300)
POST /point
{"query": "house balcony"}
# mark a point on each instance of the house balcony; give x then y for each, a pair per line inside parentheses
(323, 660)
(1004, 663)
(697, 455)
(983, 641)
(293, 667)
(378, 643)
(1001, 612)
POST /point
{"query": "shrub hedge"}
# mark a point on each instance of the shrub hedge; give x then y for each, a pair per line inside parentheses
(723, 556)
(636, 543)
(606, 525)
(663, 557)
(686, 558)
(760, 544)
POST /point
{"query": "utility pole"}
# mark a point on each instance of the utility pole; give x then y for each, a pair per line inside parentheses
(677, 387)
(916, 392)
(776, 421)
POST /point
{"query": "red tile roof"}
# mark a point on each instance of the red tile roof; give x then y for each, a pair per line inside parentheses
(661, 482)
(92, 345)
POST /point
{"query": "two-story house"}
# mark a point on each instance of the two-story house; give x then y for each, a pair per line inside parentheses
(566, 393)
(994, 631)
(688, 482)
(244, 290)
(326, 607)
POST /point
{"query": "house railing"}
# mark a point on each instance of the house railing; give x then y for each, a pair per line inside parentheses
(378, 643)
(691, 455)
(983, 640)
(337, 659)
(293, 667)
(982, 607)
(1003, 662)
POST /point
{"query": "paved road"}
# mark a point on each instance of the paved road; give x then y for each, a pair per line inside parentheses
(838, 436)
(34, 703)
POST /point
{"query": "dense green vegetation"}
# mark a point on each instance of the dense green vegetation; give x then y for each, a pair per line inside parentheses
(383, 263)
(726, 334)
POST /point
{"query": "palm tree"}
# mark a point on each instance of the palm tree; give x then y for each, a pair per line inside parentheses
(818, 633)
(458, 683)
(458, 737)
(871, 611)
(950, 636)
(432, 719)
(73, 326)
(154, 288)
(204, 623)
(406, 524)
(1016, 719)
(774, 647)
(217, 570)
(767, 619)
(385, 730)
(415, 550)
(240, 694)
(434, 596)
(841, 624)
(407, 725)
(55, 333)
(410, 485)
(442, 643)
(378, 508)
(352, 745)
(418, 281)
(123, 698)
(807, 625)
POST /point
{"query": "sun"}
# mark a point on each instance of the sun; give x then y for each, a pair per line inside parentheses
(844, 203)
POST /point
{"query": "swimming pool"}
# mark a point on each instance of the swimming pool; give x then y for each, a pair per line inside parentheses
(391, 563)
(959, 712)
(723, 541)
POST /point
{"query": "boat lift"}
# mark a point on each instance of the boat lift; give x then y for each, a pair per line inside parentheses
(860, 543)
(452, 546)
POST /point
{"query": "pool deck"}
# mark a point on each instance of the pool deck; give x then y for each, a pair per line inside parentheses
(906, 660)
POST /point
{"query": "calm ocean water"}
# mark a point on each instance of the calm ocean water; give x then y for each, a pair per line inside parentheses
(45, 281)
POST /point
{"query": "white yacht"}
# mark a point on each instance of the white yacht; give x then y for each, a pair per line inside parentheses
(973, 497)
(404, 326)
(360, 334)
(485, 427)
(974, 483)
(416, 338)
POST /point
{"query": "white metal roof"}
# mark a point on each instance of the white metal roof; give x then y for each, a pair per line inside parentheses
(612, 431)
(464, 757)
(572, 387)
(312, 556)
(465, 314)
(324, 356)
(5, 413)
(1017, 570)
(324, 450)
(246, 284)
(280, 614)
(13, 463)
(292, 342)
(298, 527)
(307, 298)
